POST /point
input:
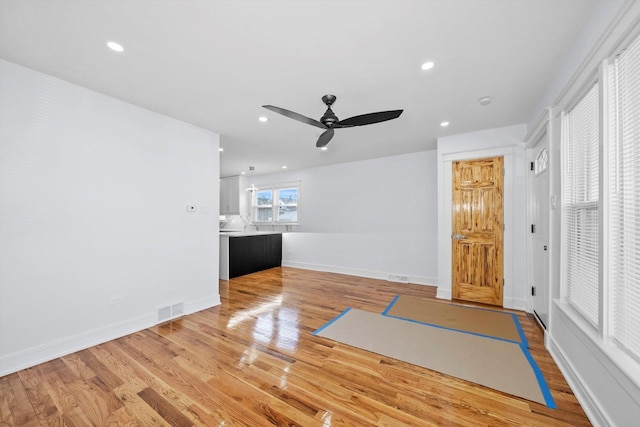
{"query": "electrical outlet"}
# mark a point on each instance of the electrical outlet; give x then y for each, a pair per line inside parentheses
(115, 300)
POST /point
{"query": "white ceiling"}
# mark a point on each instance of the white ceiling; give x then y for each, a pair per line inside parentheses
(215, 63)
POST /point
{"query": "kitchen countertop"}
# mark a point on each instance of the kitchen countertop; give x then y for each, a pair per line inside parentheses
(247, 233)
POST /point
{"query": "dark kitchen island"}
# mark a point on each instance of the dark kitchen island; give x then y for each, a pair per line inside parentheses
(243, 253)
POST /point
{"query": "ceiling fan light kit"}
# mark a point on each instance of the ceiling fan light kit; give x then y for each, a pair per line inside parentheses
(329, 121)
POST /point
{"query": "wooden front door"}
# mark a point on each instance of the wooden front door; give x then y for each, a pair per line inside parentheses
(477, 235)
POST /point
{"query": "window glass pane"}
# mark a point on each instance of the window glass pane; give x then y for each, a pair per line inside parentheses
(288, 213)
(541, 161)
(288, 196)
(582, 262)
(264, 215)
(288, 205)
(265, 198)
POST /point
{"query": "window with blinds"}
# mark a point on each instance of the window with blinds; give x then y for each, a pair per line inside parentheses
(623, 243)
(580, 195)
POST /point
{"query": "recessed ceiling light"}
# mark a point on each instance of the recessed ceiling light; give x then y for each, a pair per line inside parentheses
(485, 100)
(284, 167)
(444, 124)
(263, 119)
(325, 148)
(427, 65)
(243, 173)
(221, 149)
(115, 46)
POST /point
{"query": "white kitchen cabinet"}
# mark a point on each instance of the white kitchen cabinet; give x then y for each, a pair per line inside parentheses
(234, 200)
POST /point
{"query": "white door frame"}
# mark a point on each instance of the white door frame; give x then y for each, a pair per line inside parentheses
(537, 134)
(444, 234)
(538, 217)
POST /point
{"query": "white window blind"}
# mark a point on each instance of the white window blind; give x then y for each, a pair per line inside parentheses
(580, 205)
(624, 199)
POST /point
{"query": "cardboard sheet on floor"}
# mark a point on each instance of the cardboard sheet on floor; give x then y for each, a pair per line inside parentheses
(481, 321)
(502, 365)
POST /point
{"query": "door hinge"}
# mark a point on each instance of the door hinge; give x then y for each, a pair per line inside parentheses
(503, 283)
(533, 291)
(532, 166)
(503, 172)
(533, 228)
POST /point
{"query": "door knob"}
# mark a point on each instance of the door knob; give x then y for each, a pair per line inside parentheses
(459, 236)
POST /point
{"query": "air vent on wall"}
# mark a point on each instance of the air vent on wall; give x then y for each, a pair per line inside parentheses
(177, 309)
(400, 279)
(170, 312)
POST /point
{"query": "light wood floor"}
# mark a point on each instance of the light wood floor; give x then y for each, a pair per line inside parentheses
(253, 361)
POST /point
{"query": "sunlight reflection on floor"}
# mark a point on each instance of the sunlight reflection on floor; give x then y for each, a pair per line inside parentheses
(271, 320)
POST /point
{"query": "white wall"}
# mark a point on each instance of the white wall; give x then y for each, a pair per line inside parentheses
(93, 195)
(369, 218)
(604, 12)
(506, 142)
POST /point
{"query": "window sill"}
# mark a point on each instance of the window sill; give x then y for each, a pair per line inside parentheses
(580, 322)
(273, 224)
(626, 364)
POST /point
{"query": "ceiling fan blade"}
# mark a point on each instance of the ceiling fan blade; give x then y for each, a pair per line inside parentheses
(325, 138)
(367, 119)
(295, 116)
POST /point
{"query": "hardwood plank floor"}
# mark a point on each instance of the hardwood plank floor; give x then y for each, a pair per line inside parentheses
(252, 361)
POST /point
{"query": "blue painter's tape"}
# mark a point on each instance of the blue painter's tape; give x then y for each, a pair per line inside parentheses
(326, 325)
(433, 325)
(386, 310)
(523, 337)
(546, 393)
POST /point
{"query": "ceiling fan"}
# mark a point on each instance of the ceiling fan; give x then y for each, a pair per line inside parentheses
(329, 121)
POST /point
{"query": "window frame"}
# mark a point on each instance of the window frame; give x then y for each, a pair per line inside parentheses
(275, 190)
(601, 335)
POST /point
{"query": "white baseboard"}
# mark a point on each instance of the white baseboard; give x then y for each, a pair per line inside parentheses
(202, 304)
(43, 353)
(510, 303)
(418, 280)
(515, 304)
(591, 409)
(443, 293)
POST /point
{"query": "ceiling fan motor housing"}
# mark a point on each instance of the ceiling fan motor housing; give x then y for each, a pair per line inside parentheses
(329, 118)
